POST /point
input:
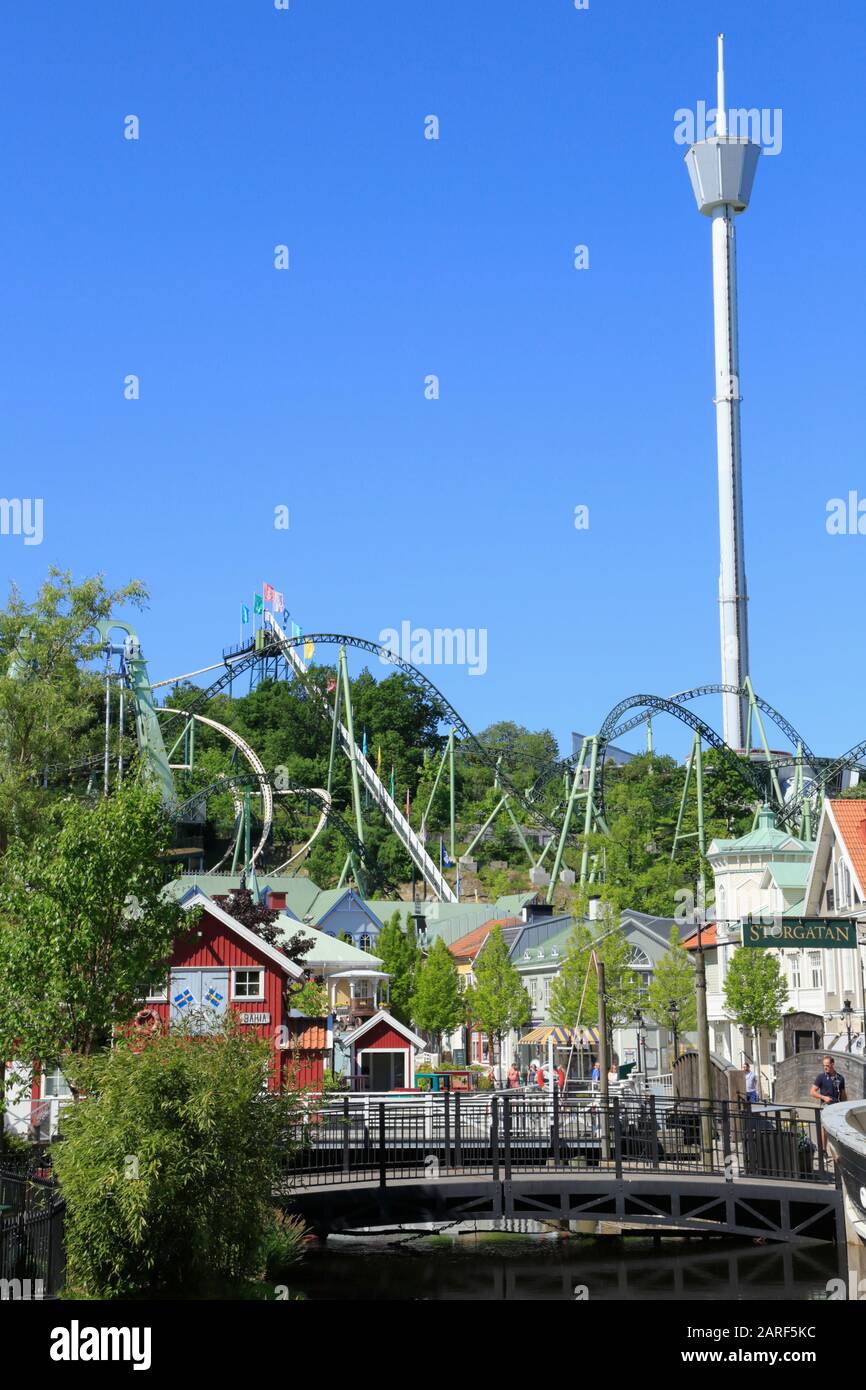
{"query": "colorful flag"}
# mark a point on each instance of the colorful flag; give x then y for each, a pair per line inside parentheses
(392, 781)
(379, 763)
(364, 742)
(332, 686)
(279, 601)
(245, 613)
(446, 859)
(258, 603)
(309, 648)
(268, 592)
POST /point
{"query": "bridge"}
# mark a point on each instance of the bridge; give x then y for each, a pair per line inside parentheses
(667, 1165)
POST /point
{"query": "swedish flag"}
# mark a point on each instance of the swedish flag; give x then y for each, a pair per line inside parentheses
(184, 999)
(214, 997)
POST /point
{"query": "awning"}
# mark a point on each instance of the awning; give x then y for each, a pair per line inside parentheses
(561, 1037)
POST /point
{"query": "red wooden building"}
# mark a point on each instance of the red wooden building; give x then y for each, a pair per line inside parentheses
(382, 1053)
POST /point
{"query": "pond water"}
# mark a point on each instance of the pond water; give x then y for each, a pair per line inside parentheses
(503, 1265)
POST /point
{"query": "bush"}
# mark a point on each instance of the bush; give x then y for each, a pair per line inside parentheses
(282, 1246)
(169, 1163)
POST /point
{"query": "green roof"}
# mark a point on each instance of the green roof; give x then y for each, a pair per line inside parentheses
(543, 955)
(327, 950)
(789, 874)
(765, 837)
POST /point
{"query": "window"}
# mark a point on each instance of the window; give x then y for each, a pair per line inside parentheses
(815, 971)
(795, 970)
(154, 993)
(54, 1085)
(248, 984)
(547, 983)
(365, 941)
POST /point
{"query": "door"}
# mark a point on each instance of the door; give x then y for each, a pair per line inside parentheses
(184, 994)
(199, 998)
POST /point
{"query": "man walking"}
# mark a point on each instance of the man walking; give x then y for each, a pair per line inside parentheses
(829, 1089)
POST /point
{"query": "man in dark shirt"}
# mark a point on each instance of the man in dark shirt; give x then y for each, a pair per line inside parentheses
(829, 1089)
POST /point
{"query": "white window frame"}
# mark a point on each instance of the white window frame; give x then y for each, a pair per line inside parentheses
(157, 996)
(816, 969)
(247, 970)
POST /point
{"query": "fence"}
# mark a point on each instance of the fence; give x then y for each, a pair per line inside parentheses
(32, 1261)
(363, 1139)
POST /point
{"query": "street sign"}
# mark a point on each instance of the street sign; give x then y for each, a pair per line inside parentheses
(825, 933)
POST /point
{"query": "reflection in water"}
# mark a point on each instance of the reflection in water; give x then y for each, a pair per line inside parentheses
(501, 1266)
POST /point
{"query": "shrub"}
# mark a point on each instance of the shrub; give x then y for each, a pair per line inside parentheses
(283, 1245)
(169, 1163)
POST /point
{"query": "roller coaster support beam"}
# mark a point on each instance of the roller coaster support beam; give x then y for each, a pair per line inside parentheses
(338, 700)
(353, 761)
(519, 828)
(590, 806)
(453, 800)
(105, 787)
(560, 848)
(753, 707)
(467, 854)
(649, 740)
(435, 785)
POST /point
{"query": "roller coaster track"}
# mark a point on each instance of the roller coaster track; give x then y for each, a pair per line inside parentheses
(282, 644)
(852, 758)
(257, 782)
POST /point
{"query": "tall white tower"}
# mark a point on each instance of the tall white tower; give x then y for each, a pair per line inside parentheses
(722, 170)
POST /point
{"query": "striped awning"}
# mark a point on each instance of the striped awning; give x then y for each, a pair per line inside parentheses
(561, 1037)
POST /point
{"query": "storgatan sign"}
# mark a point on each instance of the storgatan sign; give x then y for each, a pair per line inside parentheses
(829, 933)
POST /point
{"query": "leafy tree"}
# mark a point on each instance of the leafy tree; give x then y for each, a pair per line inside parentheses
(497, 1001)
(50, 699)
(85, 924)
(311, 999)
(399, 954)
(622, 987)
(168, 1163)
(574, 988)
(671, 998)
(436, 1003)
(755, 992)
(257, 917)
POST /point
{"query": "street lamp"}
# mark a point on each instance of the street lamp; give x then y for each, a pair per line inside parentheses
(638, 1022)
(848, 1015)
(673, 1016)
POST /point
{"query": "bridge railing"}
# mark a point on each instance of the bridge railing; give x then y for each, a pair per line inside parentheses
(369, 1139)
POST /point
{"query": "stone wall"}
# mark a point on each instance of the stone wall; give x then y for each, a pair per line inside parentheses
(796, 1074)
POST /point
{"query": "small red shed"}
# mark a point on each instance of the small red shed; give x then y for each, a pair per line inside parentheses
(382, 1054)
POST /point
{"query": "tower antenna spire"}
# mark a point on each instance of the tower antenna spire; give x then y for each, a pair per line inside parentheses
(721, 107)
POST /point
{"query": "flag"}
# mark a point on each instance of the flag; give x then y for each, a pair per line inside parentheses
(332, 686)
(392, 781)
(258, 603)
(407, 803)
(446, 859)
(309, 648)
(245, 613)
(296, 631)
(279, 601)
(379, 763)
(268, 592)
(364, 742)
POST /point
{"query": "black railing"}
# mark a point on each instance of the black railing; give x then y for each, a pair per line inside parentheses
(32, 1214)
(360, 1139)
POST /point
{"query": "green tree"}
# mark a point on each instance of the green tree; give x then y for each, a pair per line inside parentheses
(437, 1006)
(671, 998)
(497, 1001)
(621, 983)
(574, 988)
(85, 924)
(50, 700)
(755, 992)
(399, 954)
(168, 1163)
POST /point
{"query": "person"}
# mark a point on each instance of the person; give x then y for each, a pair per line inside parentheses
(513, 1076)
(829, 1089)
(560, 1078)
(532, 1079)
(596, 1072)
(751, 1085)
(613, 1074)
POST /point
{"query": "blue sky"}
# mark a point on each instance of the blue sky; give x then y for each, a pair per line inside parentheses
(409, 257)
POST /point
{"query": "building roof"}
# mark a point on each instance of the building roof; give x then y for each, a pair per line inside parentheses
(327, 951)
(468, 946)
(788, 874)
(708, 937)
(197, 899)
(384, 1017)
(850, 819)
(764, 838)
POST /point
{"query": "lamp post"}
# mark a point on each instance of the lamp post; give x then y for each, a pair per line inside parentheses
(848, 1015)
(638, 1023)
(673, 1015)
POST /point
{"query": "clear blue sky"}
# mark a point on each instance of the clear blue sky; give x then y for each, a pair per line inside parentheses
(410, 257)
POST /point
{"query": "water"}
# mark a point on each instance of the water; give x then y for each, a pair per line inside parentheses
(497, 1266)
